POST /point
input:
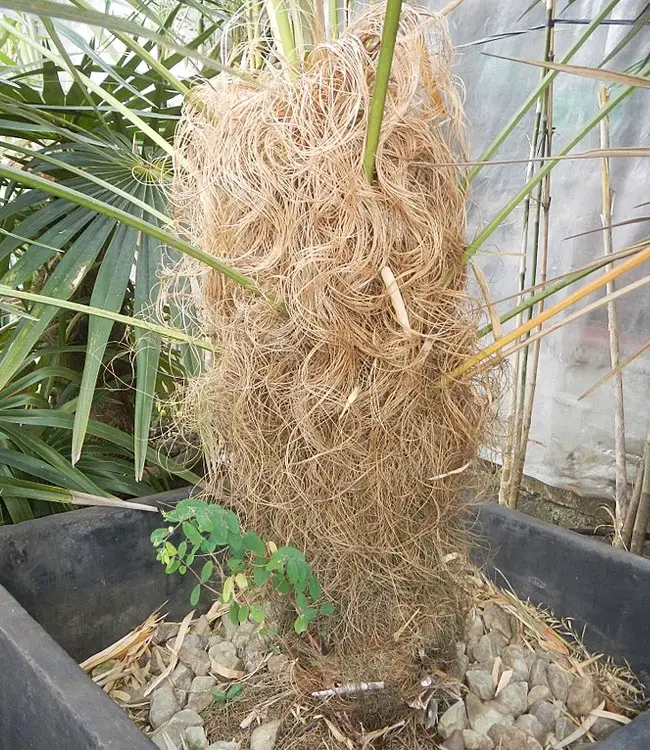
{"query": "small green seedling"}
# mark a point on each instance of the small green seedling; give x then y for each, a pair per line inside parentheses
(233, 693)
(213, 540)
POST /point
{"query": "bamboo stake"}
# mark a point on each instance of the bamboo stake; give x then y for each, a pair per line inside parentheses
(508, 489)
(630, 516)
(528, 397)
(643, 512)
(612, 325)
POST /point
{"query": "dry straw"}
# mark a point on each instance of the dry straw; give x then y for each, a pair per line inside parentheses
(343, 435)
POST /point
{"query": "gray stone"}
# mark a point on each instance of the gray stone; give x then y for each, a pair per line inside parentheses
(475, 741)
(532, 726)
(165, 631)
(168, 737)
(453, 719)
(172, 735)
(514, 698)
(224, 745)
(253, 653)
(200, 695)
(460, 662)
(480, 683)
(195, 738)
(201, 627)
(538, 693)
(277, 663)
(225, 655)
(563, 727)
(489, 646)
(181, 697)
(473, 632)
(242, 635)
(194, 658)
(214, 639)
(454, 741)
(182, 677)
(559, 681)
(538, 672)
(187, 718)
(602, 727)
(582, 696)
(511, 738)
(265, 736)
(546, 713)
(483, 716)
(514, 658)
(163, 706)
(496, 618)
(194, 640)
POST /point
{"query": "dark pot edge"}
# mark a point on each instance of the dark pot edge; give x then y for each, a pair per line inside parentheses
(73, 704)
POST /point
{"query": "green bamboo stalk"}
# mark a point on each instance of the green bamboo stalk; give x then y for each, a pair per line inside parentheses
(473, 248)
(382, 77)
(507, 496)
(533, 97)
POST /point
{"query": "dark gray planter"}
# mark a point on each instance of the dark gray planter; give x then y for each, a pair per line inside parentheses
(78, 581)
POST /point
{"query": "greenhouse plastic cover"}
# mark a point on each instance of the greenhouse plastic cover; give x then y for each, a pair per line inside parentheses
(572, 440)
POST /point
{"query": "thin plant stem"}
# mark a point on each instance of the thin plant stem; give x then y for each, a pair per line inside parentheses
(612, 325)
(633, 507)
(145, 325)
(541, 261)
(643, 512)
(382, 76)
(519, 385)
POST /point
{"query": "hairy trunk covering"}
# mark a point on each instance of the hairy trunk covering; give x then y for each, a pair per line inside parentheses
(345, 437)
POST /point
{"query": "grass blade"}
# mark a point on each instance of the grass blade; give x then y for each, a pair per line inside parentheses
(609, 76)
(550, 312)
(47, 9)
(33, 445)
(51, 494)
(58, 419)
(641, 21)
(616, 370)
(63, 281)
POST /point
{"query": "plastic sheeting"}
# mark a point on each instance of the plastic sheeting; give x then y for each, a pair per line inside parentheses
(571, 440)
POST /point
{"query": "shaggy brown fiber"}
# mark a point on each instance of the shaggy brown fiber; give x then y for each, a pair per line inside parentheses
(330, 393)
